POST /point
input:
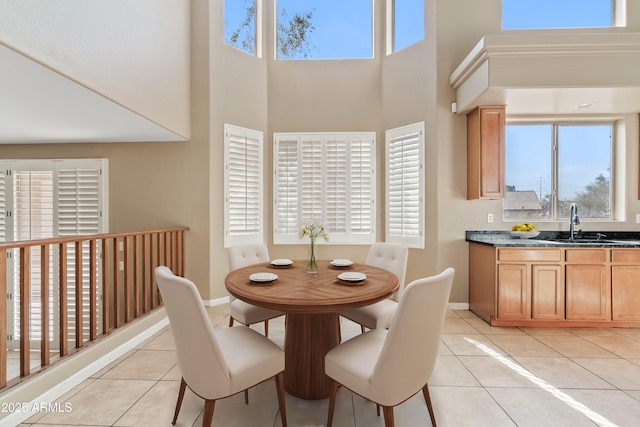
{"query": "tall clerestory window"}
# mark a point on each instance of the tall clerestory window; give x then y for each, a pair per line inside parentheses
(240, 25)
(546, 14)
(327, 29)
(407, 22)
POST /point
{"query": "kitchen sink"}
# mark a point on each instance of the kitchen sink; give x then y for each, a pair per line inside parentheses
(585, 241)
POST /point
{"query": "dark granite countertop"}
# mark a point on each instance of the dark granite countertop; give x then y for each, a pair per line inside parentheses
(608, 239)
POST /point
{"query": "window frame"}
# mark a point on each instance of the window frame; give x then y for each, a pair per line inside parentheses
(411, 216)
(286, 228)
(616, 211)
(246, 236)
(391, 25)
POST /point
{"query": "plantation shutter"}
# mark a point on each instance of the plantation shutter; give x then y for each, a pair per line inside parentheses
(405, 185)
(326, 179)
(243, 186)
(286, 177)
(78, 213)
(3, 205)
(51, 198)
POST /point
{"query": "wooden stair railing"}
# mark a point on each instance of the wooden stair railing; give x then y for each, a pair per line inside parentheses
(119, 268)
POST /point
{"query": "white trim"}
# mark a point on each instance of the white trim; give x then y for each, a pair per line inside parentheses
(216, 302)
(458, 306)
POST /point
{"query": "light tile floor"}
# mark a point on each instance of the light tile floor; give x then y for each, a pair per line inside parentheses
(484, 377)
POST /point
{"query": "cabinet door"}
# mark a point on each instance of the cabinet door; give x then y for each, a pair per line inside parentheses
(547, 290)
(513, 291)
(485, 153)
(587, 292)
(625, 281)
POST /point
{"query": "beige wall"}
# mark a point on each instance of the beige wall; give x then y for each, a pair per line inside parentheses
(163, 184)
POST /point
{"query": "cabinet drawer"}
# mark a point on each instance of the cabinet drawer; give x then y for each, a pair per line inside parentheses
(586, 255)
(631, 256)
(529, 255)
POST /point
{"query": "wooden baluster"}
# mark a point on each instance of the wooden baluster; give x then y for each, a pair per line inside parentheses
(3, 318)
(127, 289)
(92, 290)
(78, 287)
(62, 266)
(116, 283)
(105, 287)
(136, 271)
(25, 305)
(145, 283)
(45, 344)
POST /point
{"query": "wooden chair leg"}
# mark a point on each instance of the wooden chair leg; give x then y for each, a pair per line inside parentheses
(377, 409)
(332, 401)
(207, 417)
(230, 321)
(266, 328)
(427, 399)
(183, 387)
(388, 416)
(246, 397)
(362, 329)
(281, 405)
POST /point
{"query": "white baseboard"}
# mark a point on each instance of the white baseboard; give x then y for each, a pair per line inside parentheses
(47, 386)
(217, 301)
(458, 305)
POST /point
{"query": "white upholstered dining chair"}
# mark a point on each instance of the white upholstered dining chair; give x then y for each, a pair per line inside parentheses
(245, 313)
(393, 258)
(387, 367)
(215, 363)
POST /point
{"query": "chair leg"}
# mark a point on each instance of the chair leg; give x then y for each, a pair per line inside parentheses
(377, 409)
(183, 387)
(266, 328)
(332, 400)
(246, 397)
(207, 417)
(388, 416)
(281, 405)
(230, 321)
(427, 398)
(362, 329)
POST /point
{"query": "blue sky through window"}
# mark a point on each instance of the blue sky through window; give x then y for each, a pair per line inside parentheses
(343, 29)
(528, 14)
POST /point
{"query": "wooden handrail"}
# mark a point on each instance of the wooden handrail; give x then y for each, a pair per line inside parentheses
(118, 267)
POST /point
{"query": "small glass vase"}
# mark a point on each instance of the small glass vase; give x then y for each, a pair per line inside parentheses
(312, 265)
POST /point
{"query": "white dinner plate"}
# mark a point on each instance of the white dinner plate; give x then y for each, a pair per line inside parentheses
(263, 277)
(341, 262)
(352, 276)
(281, 262)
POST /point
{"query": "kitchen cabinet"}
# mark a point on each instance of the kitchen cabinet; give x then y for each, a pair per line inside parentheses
(486, 153)
(563, 286)
(587, 284)
(625, 280)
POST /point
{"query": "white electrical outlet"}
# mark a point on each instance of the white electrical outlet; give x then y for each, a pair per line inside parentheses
(489, 217)
(638, 218)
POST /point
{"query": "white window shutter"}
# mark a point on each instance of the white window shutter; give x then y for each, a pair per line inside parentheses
(405, 185)
(287, 171)
(326, 178)
(243, 186)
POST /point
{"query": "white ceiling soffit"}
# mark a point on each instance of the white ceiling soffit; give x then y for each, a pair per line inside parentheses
(559, 74)
(39, 105)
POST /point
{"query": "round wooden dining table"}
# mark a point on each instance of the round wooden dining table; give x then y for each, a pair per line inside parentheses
(311, 303)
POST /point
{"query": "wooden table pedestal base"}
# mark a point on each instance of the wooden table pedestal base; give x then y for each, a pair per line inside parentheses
(311, 336)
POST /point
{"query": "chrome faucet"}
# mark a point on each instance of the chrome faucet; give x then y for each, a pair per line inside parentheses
(573, 220)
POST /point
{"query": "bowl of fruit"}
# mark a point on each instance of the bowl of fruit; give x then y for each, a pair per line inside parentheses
(524, 231)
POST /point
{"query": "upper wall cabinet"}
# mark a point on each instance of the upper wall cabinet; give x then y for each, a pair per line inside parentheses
(551, 74)
(485, 153)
